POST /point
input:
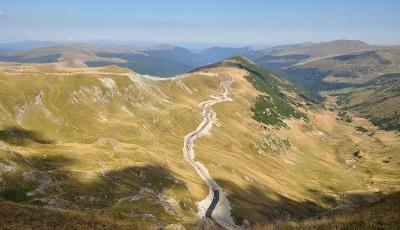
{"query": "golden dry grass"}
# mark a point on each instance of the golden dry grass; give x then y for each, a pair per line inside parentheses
(384, 214)
(138, 123)
(16, 216)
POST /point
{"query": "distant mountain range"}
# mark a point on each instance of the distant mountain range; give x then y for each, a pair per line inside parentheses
(160, 60)
(166, 60)
(316, 66)
(25, 45)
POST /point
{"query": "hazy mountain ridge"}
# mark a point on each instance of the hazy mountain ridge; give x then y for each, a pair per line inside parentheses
(160, 60)
(322, 49)
(26, 45)
(274, 58)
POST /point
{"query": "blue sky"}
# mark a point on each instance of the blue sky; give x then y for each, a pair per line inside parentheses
(205, 21)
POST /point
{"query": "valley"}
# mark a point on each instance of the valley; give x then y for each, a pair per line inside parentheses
(216, 202)
(108, 141)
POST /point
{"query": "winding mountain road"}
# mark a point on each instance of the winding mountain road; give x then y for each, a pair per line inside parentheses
(216, 206)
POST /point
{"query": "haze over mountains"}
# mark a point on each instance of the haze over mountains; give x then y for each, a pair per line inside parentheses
(160, 60)
(178, 59)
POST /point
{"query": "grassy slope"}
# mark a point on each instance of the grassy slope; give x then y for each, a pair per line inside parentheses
(296, 171)
(378, 100)
(17, 216)
(102, 143)
(372, 74)
(383, 214)
(273, 106)
(105, 142)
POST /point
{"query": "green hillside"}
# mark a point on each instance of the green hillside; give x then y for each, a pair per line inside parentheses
(274, 106)
(378, 100)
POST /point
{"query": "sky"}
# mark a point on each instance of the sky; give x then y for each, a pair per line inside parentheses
(262, 22)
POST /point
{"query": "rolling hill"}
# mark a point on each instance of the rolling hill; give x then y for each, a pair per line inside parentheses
(281, 57)
(108, 141)
(344, 70)
(322, 49)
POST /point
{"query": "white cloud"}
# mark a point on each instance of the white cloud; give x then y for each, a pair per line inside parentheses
(1, 13)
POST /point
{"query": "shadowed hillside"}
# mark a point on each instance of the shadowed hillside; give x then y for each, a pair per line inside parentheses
(383, 214)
